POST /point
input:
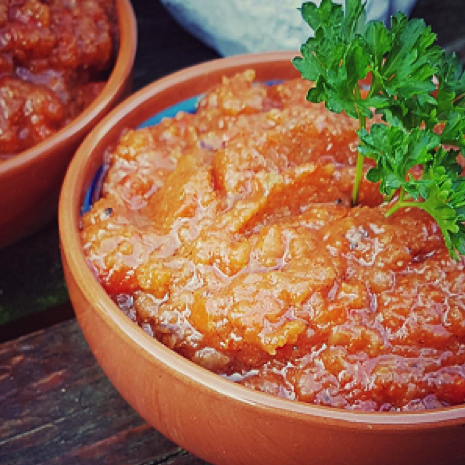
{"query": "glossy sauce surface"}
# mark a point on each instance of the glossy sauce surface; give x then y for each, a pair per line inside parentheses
(228, 235)
(53, 59)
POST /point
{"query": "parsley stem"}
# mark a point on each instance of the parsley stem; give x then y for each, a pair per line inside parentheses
(390, 196)
(358, 178)
(403, 204)
(360, 158)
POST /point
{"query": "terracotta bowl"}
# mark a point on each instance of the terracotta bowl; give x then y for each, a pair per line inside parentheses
(30, 182)
(215, 419)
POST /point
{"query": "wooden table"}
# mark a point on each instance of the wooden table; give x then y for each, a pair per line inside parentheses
(58, 407)
(56, 404)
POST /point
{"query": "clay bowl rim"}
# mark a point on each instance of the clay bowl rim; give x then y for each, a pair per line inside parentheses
(71, 200)
(121, 70)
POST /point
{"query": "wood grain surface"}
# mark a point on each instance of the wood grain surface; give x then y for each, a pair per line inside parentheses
(57, 407)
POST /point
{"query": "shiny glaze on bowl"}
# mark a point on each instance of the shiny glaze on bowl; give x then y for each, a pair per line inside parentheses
(215, 419)
(30, 182)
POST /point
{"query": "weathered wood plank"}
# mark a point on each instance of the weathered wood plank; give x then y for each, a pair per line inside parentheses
(57, 407)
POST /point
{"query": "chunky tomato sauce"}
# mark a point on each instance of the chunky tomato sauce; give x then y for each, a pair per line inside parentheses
(228, 235)
(53, 56)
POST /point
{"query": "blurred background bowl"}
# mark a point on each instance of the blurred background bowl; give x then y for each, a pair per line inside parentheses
(30, 181)
(254, 26)
(213, 418)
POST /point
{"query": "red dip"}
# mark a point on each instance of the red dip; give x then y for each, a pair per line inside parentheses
(54, 55)
(228, 235)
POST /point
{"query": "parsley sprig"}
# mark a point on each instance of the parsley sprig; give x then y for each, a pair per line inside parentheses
(362, 68)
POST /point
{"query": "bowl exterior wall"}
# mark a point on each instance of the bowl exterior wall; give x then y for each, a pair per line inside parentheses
(226, 431)
(213, 419)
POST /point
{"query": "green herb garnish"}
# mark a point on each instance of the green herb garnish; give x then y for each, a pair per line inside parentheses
(403, 63)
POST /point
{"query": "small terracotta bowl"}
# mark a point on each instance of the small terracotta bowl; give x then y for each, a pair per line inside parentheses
(213, 418)
(30, 182)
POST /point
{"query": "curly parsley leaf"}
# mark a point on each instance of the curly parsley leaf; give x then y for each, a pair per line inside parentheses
(418, 90)
(444, 199)
(396, 151)
(335, 58)
(411, 61)
(451, 85)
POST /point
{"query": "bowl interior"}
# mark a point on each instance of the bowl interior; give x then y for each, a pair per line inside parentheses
(118, 76)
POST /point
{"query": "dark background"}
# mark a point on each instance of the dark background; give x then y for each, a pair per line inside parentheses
(32, 290)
